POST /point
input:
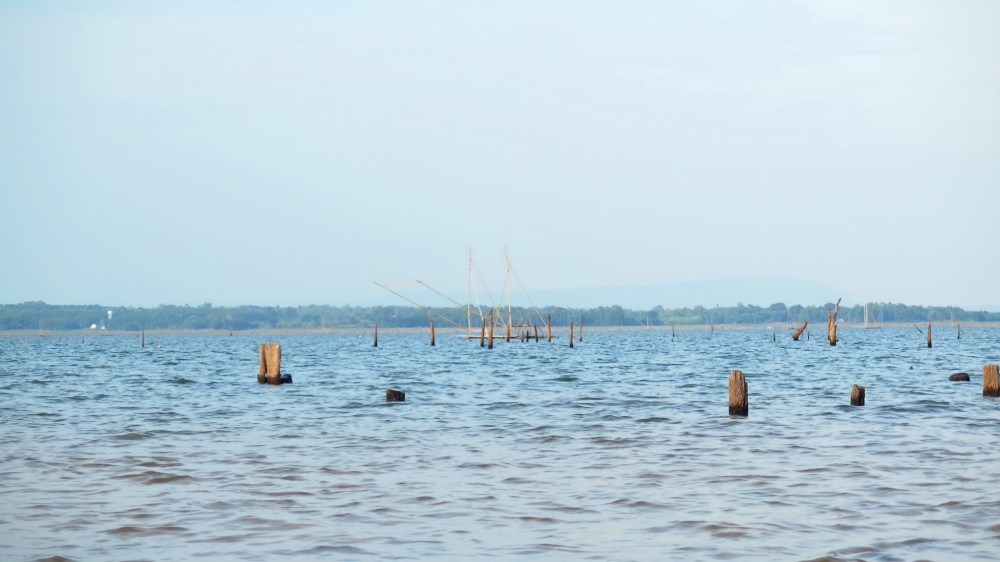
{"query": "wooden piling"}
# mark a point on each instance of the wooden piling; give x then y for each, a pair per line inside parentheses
(375, 343)
(143, 341)
(672, 332)
(991, 380)
(548, 326)
(857, 395)
(959, 326)
(797, 333)
(929, 344)
(536, 332)
(959, 377)
(394, 395)
(431, 320)
(269, 370)
(739, 402)
(581, 328)
(571, 334)
(508, 328)
(489, 344)
(831, 324)
(482, 333)
(774, 336)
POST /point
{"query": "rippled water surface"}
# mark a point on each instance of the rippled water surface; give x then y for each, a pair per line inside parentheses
(619, 449)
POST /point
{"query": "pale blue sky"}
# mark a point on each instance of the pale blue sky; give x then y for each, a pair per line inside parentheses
(292, 152)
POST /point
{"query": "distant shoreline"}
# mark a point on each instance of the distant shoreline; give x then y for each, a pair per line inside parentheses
(562, 330)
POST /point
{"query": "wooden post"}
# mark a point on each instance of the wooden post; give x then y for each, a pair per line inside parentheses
(959, 326)
(808, 335)
(269, 370)
(961, 377)
(143, 344)
(672, 332)
(375, 343)
(797, 333)
(394, 395)
(508, 327)
(991, 380)
(857, 395)
(489, 344)
(581, 328)
(571, 334)
(831, 324)
(739, 403)
(774, 336)
(536, 332)
(431, 320)
(929, 344)
(548, 326)
(482, 333)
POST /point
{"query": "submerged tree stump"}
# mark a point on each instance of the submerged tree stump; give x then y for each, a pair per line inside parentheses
(269, 370)
(739, 403)
(961, 377)
(991, 380)
(797, 333)
(394, 395)
(831, 324)
(857, 395)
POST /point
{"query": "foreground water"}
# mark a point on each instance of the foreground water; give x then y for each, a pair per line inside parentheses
(619, 449)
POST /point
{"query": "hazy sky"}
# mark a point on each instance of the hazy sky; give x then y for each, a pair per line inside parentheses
(293, 152)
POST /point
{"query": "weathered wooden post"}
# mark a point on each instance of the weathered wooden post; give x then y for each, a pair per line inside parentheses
(536, 332)
(959, 377)
(269, 370)
(508, 328)
(739, 402)
(581, 328)
(774, 336)
(489, 344)
(431, 320)
(991, 380)
(672, 332)
(375, 343)
(571, 334)
(959, 326)
(929, 344)
(797, 333)
(857, 395)
(548, 326)
(482, 333)
(143, 344)
(831, 324)
(394, 395)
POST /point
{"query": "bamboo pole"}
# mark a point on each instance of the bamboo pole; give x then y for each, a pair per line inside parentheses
(581, 328)
(375, 343)
(929, 344)
(431, 320)
(571, 334)
(797, 333)
(857, 395)
(548, 326)
(991, 380)
(739, 403)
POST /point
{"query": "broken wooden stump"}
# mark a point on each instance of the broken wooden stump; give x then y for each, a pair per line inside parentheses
(797, 333)
(739, 403)
(394, 395)
(961, 377)
(857, 395)
(991, 380)
(831, 324)
(269, 370)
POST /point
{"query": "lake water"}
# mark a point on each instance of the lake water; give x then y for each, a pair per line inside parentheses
(619, 449)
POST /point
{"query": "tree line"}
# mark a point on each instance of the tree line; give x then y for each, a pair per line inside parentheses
(33, 315)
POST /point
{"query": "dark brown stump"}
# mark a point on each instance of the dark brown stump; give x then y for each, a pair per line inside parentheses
(571, 334)
(991, 380)
(960, 377)
(929, 344)
(797, 333)
(375, 343)
(431, 320)
(269, 370)
(394, 395)
(857, 395)
(739, 402)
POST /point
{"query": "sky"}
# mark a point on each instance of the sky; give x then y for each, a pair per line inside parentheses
(295, 152)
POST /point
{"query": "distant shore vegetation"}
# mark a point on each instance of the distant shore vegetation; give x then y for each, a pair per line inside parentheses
(38, 315)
